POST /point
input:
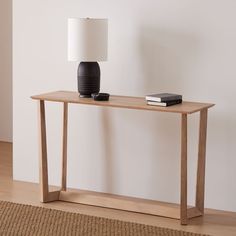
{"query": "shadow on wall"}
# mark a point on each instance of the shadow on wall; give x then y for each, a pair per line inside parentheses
(108, 151)
(165, 58)
(222, 146)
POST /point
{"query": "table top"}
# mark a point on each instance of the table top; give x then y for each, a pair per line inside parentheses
(138, 103)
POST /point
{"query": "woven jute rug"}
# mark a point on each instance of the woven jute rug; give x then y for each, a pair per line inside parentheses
(25, 220)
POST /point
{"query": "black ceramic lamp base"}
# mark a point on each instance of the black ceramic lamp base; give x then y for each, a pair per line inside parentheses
(88, 78)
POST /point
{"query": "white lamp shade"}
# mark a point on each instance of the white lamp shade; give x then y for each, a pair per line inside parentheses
(87, 39)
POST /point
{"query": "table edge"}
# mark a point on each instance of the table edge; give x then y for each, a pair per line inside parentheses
(37, 97)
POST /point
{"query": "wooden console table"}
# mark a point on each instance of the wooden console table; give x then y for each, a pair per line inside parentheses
(178, 211)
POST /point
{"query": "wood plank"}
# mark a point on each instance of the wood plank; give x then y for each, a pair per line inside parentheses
(193, 212)
(122, 102)
(200, 188)
(64, 146)
(183, 191)
(53, 196)
(122, 203)
(43, 165)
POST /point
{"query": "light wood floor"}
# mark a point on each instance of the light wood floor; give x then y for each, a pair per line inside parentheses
(214, 222)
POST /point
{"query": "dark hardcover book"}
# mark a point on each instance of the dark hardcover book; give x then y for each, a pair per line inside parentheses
(164, 104)
(163, 97)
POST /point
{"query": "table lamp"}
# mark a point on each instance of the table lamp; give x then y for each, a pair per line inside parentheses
(87, 43)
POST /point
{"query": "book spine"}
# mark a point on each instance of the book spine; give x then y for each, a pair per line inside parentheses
(173, 102)
(177, 97)
(164, 104)
(165, 99)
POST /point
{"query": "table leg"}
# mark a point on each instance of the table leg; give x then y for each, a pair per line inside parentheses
(43, 165)
(200, 189)
(64, 147)
(183, 194)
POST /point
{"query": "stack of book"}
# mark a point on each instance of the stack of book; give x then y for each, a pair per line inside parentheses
(163, 99)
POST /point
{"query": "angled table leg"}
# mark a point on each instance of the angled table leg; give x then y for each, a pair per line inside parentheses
(200, 188)
(43, 169)
(183, 194)
(45, 195)
(64, 147)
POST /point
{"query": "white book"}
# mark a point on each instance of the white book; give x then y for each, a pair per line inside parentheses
(164, 104)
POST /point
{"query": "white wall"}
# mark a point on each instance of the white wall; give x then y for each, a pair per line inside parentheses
(5, 70)
(185, 46)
